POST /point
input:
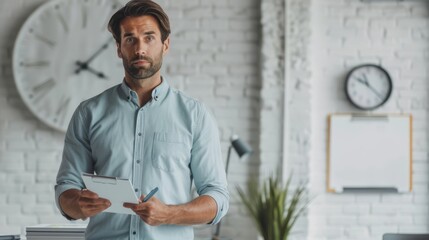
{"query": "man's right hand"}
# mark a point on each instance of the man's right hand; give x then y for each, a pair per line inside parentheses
(90, 204)
(81, 204)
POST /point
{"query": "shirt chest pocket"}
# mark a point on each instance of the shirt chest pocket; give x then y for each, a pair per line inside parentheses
(170, 152)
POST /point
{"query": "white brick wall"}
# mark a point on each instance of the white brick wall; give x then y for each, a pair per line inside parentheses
(395, 35)
(213, 56)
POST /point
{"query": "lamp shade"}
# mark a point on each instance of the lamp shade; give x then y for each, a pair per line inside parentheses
(240, 146)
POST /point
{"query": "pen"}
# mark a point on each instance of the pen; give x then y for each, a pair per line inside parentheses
(151, 193)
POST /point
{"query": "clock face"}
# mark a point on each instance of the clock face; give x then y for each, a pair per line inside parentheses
(63, 55)
(368, 86)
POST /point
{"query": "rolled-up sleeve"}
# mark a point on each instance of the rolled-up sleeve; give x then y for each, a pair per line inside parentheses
(76, 157)
(207, 165)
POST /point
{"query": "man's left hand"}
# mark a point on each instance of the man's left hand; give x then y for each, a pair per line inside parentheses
(153, 212)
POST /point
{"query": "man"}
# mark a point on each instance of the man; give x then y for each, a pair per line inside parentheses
(148, 132)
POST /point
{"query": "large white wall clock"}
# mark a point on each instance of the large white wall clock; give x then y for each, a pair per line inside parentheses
(63, 55)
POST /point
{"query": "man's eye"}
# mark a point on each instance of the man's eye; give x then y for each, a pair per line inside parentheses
(129, 40)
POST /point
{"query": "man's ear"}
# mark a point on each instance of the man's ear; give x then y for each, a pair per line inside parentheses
(118, 49)
(166, 45)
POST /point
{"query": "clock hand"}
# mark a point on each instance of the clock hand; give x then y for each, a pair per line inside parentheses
(362, 81)
(366, 83)
(372, 88)
(99, 74)
(93, 56)
(102, 48)
(375, 92)
(84, 66)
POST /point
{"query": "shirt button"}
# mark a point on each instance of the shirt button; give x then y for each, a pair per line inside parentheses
(138, 161)
(136, 189)
(134, 233)
(140, 134)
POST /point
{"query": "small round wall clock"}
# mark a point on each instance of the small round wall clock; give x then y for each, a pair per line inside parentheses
(368, 86)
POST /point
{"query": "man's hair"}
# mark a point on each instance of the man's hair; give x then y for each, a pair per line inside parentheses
(136, 8)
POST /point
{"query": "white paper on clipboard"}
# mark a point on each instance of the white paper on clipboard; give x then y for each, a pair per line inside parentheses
(117, 190)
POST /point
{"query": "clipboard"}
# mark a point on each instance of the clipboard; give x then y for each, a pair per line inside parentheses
(117, 190)
(369, 153)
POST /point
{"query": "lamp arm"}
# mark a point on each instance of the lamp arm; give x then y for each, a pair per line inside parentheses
(217, 232)
(227, 160)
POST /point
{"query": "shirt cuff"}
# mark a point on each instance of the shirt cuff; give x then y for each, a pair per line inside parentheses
(59, 189)
(222, 202)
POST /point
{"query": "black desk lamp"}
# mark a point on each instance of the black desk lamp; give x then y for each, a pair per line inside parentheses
(242, 149)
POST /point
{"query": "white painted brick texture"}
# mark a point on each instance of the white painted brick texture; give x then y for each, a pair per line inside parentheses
(395, 35)
(214, 56)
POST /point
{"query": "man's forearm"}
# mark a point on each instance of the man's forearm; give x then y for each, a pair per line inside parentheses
(69, 203)
(201, 210)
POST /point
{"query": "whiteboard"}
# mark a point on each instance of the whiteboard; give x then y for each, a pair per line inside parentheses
(369, 152)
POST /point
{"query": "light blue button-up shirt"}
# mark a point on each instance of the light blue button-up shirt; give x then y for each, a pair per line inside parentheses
(168, 143)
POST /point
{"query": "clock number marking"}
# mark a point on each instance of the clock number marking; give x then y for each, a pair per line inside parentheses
(35, 64)
(84, 16)
(114, 8)
(42, 89)
(62, 110)
(63, 23)
(43, 39)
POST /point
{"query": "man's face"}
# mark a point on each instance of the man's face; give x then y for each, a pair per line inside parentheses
(141, 48)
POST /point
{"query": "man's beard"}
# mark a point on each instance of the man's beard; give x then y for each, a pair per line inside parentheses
(140, 72)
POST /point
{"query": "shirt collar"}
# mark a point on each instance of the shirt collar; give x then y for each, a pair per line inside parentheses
(158, 93)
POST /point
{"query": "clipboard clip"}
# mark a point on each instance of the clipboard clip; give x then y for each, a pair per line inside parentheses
(102, 179)
(367, 117)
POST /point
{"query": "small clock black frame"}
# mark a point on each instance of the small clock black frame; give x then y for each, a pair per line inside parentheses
(384, 97)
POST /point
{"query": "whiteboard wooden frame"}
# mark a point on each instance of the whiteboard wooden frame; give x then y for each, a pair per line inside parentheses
(367, 168)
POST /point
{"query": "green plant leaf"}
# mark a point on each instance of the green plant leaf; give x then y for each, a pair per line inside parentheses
(273, 207)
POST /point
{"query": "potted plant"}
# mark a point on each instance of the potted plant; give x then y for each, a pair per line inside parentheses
(273, 206)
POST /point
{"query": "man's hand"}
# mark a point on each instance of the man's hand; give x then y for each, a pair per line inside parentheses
(81, 204)
(153, 212)
(90, 204)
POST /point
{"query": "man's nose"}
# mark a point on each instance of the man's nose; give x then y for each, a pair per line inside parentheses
(141, 48)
